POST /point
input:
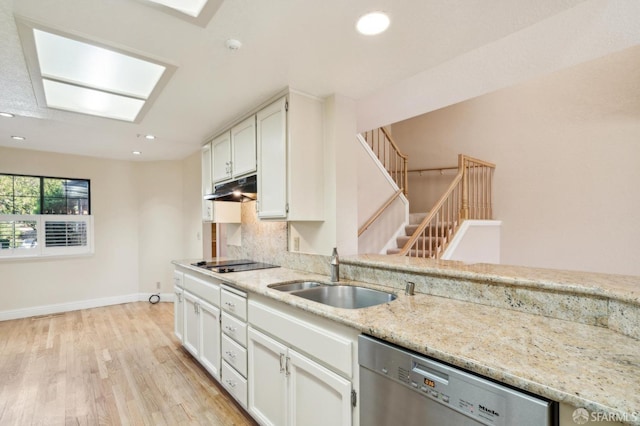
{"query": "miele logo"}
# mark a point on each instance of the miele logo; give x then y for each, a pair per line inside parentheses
(488, 411)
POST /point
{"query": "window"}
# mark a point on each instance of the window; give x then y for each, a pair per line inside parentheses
(44, 216)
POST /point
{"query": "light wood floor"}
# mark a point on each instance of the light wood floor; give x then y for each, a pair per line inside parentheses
(117, 365)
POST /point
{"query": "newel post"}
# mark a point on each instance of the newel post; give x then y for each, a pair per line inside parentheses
(464, 210)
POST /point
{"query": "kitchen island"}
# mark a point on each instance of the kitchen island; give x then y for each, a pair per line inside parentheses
(547, 332)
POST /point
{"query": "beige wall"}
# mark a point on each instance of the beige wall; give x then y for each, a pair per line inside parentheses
(139, 219)
(566, 148)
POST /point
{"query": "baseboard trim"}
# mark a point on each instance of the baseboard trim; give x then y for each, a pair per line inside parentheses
(81, 304)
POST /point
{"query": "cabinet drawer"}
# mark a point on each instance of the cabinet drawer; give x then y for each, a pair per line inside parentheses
(234, 304)
(235, 355)
(205, 289)
(234, 383)
(234, 328)
(332, 350)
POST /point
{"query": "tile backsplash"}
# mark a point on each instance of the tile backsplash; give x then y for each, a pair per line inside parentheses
(266, 241)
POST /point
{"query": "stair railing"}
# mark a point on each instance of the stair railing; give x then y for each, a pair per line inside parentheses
(467, 197)
(394, 161)
(379, 212)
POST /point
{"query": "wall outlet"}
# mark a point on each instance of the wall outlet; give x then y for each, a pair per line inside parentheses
(198, 236)
(158, 285)
(296, 243)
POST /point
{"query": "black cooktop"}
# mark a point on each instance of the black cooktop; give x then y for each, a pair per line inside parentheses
(237, 265)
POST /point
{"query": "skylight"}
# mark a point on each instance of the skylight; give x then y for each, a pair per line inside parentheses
(64, 59)
(74, 74)
(198, 12)
(189, 7)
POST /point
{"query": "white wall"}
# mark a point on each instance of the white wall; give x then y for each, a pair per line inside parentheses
(193, 229)
(476, 241)
(566, 148)
(139, 219)
(159, 192)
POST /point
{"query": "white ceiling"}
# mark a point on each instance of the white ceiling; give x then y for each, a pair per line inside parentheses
(311, 46)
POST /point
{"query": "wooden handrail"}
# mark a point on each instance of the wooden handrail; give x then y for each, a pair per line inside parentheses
(393, 144)
(389, 154)
(433, 169)
(379, 212)
(467, 197)
(430, 217)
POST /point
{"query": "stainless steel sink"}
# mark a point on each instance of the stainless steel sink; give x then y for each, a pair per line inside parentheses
(297, 285)
(345, 296)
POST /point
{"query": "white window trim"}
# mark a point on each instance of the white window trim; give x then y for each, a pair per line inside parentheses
(40, 250)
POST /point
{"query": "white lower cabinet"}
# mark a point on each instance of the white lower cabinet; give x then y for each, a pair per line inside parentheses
(202, 332)
(267, 379)
(178, 304)
(210, 338)
(178, 313)
(287, 388)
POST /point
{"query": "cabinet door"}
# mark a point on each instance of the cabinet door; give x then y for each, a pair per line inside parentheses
(210, 338)
(317, 396)
(267, 380)
(243, 147)
(178, 313)
(271, 124)
(221, 157)
(207, 182)
(191, 335)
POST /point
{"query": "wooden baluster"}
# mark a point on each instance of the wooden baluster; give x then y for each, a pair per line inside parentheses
(464, 211)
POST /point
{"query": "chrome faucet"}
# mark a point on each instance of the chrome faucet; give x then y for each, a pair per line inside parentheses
(335, 266)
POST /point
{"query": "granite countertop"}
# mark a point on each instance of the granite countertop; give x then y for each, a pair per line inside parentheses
(579, 364)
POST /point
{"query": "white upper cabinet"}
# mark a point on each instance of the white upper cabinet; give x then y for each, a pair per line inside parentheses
(207, 183)
(291, 159)
(234, 152)
(221, 151)
(243, 148)
(218, 211)
(272, 156)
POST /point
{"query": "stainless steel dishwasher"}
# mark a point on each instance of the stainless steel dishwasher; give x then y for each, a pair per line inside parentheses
(400, 387)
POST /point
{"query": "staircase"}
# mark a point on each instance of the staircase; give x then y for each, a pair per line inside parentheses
(469, 196)
(428, 245)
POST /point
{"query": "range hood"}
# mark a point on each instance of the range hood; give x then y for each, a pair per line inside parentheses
(241, 190)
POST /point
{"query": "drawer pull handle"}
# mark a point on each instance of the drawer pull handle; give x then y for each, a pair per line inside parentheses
(231, 384)
(231, 355)
(231, 305)
(230, 329)
(281, 363)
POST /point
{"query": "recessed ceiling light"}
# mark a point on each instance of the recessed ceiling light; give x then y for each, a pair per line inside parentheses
(149, 137)
(18, 138)
(137, 152)
(6, 114)
(373, 23)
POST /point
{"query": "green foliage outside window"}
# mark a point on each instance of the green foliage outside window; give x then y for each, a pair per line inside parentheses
(35, 195)
(42, 195)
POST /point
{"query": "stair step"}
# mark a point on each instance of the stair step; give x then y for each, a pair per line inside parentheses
(416, 218)
(421, 241)
(414, 253)
(410, 229)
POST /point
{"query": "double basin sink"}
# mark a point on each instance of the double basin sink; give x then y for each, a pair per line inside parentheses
(339, 296)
